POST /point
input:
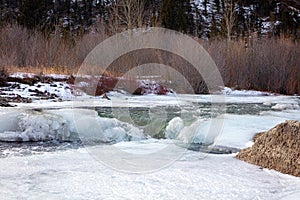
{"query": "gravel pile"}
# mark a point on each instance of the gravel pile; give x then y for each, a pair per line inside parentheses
(278, 149)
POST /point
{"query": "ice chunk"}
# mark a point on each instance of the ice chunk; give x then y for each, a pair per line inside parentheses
(90, 127)
(36, 126)
(8, 119)
(64, 125)
(229, 91)
(285, 106)
(198, 132)
(174, 127)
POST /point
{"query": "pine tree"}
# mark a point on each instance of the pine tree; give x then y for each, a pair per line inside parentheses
(217, 5)
(34, 13)
(200, 29)
(240, 23)
(214, 31)
(205, 2)
(152, 12)
(289, 17)
(177, 15)
(9, 11)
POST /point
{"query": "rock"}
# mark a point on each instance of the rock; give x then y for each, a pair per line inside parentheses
(26, 80)
(105, 96)
(3, 77)
(213, 149)
(105, 84)
(4, 103)
(71, 80)
(257, 135)
(152, 88)
(278, 149)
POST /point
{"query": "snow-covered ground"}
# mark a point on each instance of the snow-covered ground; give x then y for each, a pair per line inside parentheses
(133, 165)
(58, 89)
(74, 174)
(61, 90)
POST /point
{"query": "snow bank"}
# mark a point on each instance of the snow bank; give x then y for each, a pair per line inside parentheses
(31, 75)
(22, 75)
(64, 125)
(229, 91)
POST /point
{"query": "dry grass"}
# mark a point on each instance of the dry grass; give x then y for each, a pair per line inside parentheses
(41, 70)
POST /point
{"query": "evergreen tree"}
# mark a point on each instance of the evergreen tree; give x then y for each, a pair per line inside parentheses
(177, 15)
(214, 31)
(201, 25)
(288, 14)
(217, 5)
(205, 2)
(240, 23)
(9, 11)
(153, 10)
(206, 18)
(34, 13)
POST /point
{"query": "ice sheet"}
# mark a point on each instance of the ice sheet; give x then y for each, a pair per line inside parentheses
(238, 130)
(124, 100)
(74, 174)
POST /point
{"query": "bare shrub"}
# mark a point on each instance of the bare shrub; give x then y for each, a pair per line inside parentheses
(268, 64)
(31, 51)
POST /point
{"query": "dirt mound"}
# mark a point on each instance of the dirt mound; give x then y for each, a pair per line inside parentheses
(278, 149)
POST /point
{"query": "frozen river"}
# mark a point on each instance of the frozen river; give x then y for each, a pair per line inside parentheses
(138, 148)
